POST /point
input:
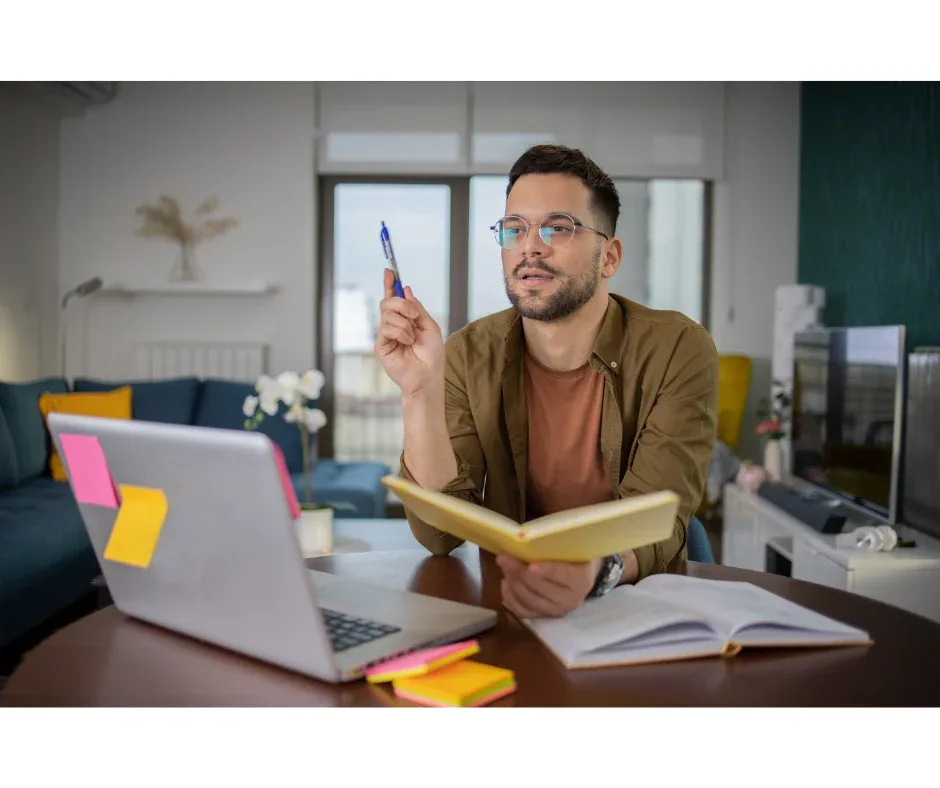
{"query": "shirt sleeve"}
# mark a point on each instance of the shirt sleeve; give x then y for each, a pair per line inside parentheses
(676, 442)
(471, 466)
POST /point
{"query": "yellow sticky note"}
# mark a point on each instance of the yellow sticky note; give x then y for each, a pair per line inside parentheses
(137, 527)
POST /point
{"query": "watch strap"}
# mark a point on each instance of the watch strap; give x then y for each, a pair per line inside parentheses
(602, 584)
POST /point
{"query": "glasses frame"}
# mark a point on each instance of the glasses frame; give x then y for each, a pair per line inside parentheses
(529, 225)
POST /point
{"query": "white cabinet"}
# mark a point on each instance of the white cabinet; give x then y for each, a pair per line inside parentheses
(815, 567)
(759, 536)
(739, 537)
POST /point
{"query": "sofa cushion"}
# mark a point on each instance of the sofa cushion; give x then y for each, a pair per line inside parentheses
(114, 404)
(20, 404)
(171, 401)
(356, 483)
(220, 405)
(46, 558)
(9, 470)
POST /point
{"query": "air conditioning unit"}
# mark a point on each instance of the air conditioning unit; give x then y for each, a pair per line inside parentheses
(83, 93)
(67, 98)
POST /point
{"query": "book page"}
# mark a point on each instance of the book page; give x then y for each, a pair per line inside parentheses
(740, 610)
(626, 616)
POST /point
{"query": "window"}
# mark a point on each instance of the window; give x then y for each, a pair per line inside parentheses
(486, 291)
(366, 406)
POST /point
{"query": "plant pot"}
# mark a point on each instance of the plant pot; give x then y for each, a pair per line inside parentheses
(315, 532)
(773, 460)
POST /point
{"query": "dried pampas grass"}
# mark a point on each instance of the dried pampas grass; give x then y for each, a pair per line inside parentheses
(164, 219)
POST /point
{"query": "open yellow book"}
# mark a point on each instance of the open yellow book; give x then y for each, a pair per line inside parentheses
(581, 534)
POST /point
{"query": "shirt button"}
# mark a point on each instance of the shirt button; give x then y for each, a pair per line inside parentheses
(613, 364)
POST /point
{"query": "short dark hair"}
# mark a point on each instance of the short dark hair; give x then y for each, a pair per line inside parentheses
(558, 159)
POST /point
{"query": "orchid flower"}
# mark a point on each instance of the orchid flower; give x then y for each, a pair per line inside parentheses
(294, 391)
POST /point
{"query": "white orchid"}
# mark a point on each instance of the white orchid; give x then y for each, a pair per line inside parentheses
(287, 383)
(311, 384)
(250, 406)
(269, 402)
(315, 419)
(294, 391)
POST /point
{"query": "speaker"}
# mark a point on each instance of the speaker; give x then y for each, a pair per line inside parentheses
(814, 513)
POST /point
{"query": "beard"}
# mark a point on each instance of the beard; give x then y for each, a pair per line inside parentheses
(571, 295)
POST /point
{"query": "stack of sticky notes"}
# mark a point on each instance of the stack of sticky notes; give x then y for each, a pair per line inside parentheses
(443, 676)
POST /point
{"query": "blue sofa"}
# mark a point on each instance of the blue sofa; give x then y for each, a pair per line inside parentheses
(46, 560)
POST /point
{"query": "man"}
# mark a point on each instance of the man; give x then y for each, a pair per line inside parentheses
(571, 397)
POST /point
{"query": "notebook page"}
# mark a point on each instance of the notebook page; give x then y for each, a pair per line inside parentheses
(624, 614)
(734, 607)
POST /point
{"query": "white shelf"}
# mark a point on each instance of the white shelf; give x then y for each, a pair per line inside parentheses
(191, 288)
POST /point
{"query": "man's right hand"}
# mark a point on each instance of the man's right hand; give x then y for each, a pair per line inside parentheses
(409, 344)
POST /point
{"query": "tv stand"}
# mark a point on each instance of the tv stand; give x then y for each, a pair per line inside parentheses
(761, 536)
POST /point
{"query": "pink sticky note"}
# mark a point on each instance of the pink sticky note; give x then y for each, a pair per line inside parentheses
(88, 470)
(288, 484)
(420, 663)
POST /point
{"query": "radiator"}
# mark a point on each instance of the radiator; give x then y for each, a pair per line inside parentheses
(244, 361)
(921, 496)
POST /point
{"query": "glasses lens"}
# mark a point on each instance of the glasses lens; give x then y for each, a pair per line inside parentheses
(557, 230)
(510, 232)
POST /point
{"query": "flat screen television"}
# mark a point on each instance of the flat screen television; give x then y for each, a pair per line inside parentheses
(847, 411)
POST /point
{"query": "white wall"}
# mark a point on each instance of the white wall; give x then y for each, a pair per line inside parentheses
(755, 226)
(28, 214)
(252, 145)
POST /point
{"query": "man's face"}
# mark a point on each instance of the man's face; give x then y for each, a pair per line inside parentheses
(549, 283)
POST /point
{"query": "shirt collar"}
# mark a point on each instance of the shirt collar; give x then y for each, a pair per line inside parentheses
(608, 347)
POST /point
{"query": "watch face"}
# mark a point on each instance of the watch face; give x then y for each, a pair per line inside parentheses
(613, 571)
(613, 574)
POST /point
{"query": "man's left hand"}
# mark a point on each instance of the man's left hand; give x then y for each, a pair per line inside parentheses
(546, 588)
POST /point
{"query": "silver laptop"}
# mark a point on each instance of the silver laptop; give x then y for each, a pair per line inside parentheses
(227, 566)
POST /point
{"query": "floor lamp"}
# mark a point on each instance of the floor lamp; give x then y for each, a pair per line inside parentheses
(87, 287)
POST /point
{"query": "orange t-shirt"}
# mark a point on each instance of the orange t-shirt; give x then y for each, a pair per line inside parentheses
(565, 466)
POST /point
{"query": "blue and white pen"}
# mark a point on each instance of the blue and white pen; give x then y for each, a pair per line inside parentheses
(390, 256)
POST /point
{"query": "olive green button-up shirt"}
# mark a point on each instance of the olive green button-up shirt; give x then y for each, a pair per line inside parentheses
(658, 421)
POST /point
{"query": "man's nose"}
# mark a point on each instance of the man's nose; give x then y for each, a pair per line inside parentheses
(534, 246)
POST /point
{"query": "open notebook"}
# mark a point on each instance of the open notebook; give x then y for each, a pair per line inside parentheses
(580, 534)
(671, 617)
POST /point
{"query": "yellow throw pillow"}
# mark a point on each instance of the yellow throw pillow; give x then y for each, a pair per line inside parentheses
(115, 404)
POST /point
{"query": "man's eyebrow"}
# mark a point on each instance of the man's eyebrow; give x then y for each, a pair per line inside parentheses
(558, 212)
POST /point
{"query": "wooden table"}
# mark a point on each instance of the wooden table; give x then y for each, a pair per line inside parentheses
(106, 659)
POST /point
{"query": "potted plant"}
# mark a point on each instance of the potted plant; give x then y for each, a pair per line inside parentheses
(297, 392)
(773, 415)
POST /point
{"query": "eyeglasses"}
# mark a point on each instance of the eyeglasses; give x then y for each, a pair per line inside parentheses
(555, 230)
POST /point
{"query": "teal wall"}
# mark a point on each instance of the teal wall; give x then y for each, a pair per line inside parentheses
(870, 203)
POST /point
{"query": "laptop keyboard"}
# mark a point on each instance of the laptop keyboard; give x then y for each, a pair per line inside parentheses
(348, 631)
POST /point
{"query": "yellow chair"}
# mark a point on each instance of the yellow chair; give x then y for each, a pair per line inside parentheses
(734, 380)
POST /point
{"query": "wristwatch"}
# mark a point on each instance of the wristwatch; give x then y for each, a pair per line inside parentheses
(608, 577)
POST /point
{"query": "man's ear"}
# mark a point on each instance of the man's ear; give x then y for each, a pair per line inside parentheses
(612, 258)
